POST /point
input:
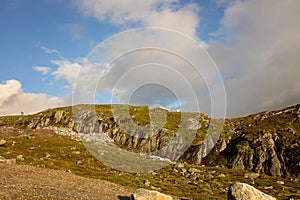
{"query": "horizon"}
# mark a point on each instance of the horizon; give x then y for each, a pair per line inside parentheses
(168, 110)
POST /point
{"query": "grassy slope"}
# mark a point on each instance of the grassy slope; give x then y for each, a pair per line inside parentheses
(63, 157)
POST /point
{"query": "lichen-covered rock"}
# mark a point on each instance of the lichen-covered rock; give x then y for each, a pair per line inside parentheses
(2, 142)
(243, 191)
(143, 194)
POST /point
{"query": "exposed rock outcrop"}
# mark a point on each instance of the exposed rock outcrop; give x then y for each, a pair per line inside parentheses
(243, 191)
(143, 194)
(267, 142)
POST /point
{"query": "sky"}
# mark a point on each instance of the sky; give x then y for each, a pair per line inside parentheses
(47, 46)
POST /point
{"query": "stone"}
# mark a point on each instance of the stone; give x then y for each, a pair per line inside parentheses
(193, 170)
(243, 191)
(251, 175)
(73, 148)
(268, 187)
(2, 142)
(2, 159)
(155, 188)
(76, 152)
(153, 173)
(31, 137)
(194, 176)
(209, 176)
(11, 161)
(179, 165)
(20, 157)
(79, 162)
(146, 182)
(7, 161)
(280, 182)
(221, 175)
(47, 155)
(143, 194)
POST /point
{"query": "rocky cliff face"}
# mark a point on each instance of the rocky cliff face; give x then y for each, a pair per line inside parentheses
(268, 142)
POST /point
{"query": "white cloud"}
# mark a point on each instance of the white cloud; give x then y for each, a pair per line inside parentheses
(42, 69)
(258, 54)
(168, 14)
(81, 76)
(256, 48)
(8, 90)
(14, 101)
(48, 50)
(165, 67)
(66, 70)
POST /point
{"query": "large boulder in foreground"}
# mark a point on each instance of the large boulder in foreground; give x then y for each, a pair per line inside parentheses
(143, 194)
(243, 191)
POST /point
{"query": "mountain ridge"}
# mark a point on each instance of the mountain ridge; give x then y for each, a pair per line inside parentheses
(266, 142)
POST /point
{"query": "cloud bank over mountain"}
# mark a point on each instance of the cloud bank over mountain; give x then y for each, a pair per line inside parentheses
(256, 49)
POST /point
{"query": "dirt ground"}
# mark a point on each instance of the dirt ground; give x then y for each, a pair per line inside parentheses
(27, 182)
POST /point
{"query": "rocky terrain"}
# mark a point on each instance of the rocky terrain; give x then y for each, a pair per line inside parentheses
(262, 149)
(268, 142)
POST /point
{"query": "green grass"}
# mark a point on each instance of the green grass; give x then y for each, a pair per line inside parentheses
(139, 115)
(166, 179)
(62, 157)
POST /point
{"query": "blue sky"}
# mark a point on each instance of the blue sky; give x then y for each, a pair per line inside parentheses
(246, 41)
(26, 26)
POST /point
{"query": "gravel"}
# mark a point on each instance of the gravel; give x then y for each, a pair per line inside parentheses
(27, 182)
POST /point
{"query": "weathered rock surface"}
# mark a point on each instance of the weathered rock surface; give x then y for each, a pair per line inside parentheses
(243, 191)
(2, 142)
(268, 143)
(265, 143)
(143, 194)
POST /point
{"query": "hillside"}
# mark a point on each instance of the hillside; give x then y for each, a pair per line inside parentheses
(267, 142)
(261, 149)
